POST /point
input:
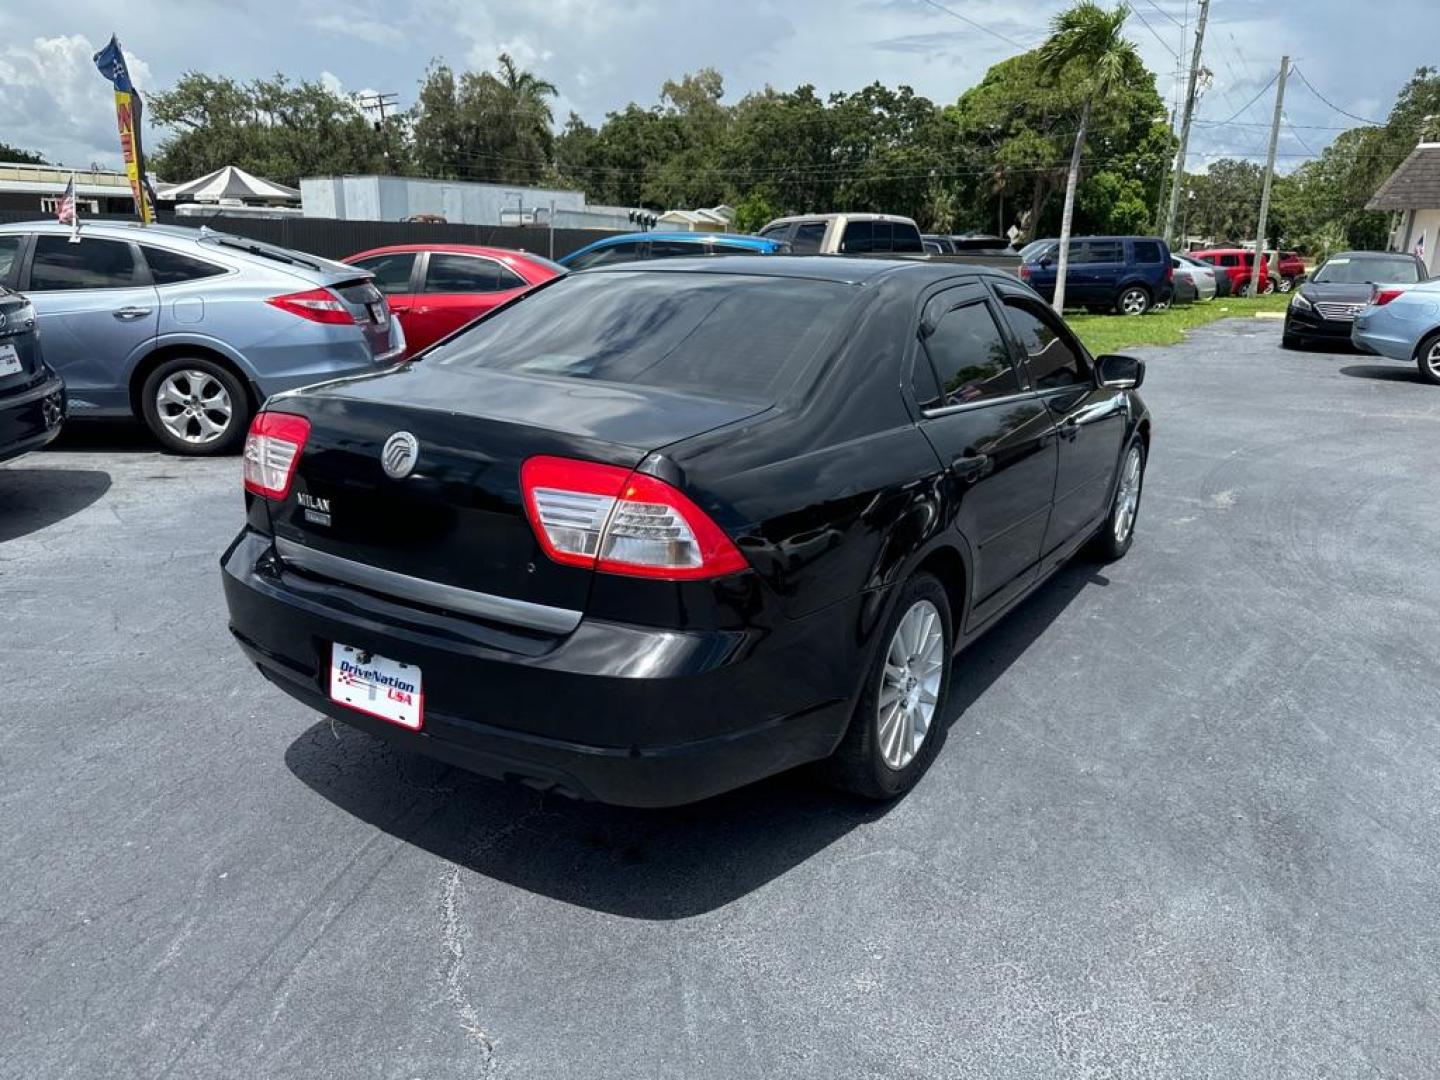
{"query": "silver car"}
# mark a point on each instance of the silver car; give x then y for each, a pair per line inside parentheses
(1200, 276)
(189, 329)
(1403, 323)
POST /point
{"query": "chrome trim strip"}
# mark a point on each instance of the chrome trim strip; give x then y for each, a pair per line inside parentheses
(435, 594)
(967, 406)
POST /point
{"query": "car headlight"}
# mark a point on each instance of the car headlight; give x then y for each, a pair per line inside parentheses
(1299, 303)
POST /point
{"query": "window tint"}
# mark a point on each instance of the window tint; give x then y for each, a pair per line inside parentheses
(1052, 357)
(734, 249)
(725, 335)
(669, 249)
(859, 237)
(90, 264)
(615, 253)
(172, 268)
(971, 359)
(1229, 260)
(392, 272)
(467, 274)
(905, 238)
(9, 259)
(775, 232)
(809, 238)
(1104, 251)
(1147, 252)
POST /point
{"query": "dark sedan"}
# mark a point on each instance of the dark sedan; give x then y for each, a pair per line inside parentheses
(32, 397)
(1324, 308)
(654, 531)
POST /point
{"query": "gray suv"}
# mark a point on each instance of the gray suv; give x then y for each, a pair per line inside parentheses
(189, 329)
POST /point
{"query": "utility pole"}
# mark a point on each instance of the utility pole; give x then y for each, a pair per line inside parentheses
(1178, 180)
(1269, 178)
(379, 102)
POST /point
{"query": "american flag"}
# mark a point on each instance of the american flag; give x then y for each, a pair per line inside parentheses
(65, 213)
(1420, 248)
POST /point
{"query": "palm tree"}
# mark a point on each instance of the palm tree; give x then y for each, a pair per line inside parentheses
(1089, 38)
(531, 138)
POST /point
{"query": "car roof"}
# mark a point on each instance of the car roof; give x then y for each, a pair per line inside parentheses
(837, 268)
(48, 225)
(837, 216)
(741, 239)
(1369, 255)
(448, 249)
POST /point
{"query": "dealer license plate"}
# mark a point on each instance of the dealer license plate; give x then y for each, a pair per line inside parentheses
(9, 359)
(372, 684)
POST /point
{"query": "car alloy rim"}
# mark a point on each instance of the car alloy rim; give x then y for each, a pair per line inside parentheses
(194, 406)
(1286, 285)
(1133, 302)
(1432, 359)
(1127, 498)
(910, 684)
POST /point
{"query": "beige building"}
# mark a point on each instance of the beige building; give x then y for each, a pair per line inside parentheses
(1413, 193)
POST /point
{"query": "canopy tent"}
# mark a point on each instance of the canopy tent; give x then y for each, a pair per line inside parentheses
(230, 182)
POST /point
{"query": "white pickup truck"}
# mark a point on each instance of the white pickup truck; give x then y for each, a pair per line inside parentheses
(867, 234)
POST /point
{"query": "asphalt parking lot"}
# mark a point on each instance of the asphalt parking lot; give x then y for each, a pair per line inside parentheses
(1184, 824)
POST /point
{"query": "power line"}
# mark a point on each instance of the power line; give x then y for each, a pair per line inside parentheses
(977, 25)
(1327, 101)
(1146, 23)
(1163, 12)
(1252, 101)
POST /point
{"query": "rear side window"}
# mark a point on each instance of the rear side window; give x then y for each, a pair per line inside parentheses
(392, 272)
(1229, 260)
(809, 238)
(1052, 356)
(1104, 251)
(725, 335)
(859, 238)
(905, 238)
(90, 264)
(614, 253)
(172, 268)
(734, 249)
(467, 274)
(970, 357)
(1147, 252)
(10, 259)
(670, 249)
(774, 232)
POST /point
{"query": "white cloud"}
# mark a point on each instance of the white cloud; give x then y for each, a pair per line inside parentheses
(372, 31)
(57, 102)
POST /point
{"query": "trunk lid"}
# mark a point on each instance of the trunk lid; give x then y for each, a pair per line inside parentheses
(17, 333)
(458, 519)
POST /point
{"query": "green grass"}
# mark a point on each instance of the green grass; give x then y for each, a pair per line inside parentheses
(1115, 333)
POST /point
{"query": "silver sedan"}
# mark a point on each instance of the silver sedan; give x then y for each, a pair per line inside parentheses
(1199, 276)
(1402, 322)
(190, 330)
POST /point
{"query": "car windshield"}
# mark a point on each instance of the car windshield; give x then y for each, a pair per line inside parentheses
(723, 335)
(1347, 270)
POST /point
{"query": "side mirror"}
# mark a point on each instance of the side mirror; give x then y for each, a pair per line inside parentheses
(1118, 372)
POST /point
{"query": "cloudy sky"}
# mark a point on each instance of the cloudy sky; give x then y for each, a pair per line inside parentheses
(603, 54)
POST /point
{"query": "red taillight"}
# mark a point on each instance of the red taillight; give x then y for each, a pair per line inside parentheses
(272, 450)
(1381, 297)
(1169, 271)
(1024, 271)
(317, 305)
(623, 522)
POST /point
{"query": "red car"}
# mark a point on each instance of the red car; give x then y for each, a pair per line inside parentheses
(1236, 264)
(434, 289)
(1287, 269)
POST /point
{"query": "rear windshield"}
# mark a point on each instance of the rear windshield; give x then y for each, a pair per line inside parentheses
(723, 335)
(1342, 270)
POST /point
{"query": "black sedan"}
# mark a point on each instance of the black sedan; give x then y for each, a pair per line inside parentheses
(32, 397)
(654, 531)
(1324, 308)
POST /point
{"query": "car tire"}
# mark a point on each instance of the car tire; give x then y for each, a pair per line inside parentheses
(1133, 300)
(1243, 289)
(1427, 359)
(184, 401)
(1118, 533)
(1286, 284)
(1271, 285)
(876, 759)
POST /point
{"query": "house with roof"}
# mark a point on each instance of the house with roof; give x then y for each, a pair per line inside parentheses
(1413, 193)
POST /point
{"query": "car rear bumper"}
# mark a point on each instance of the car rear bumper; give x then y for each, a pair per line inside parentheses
(1379, 333)
(31, 418)
(629, 715)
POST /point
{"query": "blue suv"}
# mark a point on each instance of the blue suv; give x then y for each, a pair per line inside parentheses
(1126, 274)
(630, 247)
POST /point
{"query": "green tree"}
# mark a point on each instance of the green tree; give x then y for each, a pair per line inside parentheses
(24, 157)
(1091, 39)
(485, 126)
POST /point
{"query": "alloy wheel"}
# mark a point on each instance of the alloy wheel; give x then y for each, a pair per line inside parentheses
(1127, 497)
(1286, 285)
(910, 684)
(1134, 302)
(1432, 360)
(194, 406)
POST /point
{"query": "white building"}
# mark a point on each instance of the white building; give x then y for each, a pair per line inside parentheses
(1413, 192)
(396, 198)
(38, 188)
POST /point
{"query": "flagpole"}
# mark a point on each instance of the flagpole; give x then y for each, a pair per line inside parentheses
(75, 211)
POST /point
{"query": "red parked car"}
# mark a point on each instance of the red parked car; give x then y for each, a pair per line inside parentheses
(1287, 269)
(1236, 264)
(434, 289)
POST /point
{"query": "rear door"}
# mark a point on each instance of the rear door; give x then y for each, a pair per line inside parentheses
(397, 277)
(1105, 266)
(994, 438)
(457, 288)
(1090, 420)
(97, 309)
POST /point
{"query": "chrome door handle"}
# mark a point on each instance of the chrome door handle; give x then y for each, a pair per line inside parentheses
(969, 467)
(126, 314)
